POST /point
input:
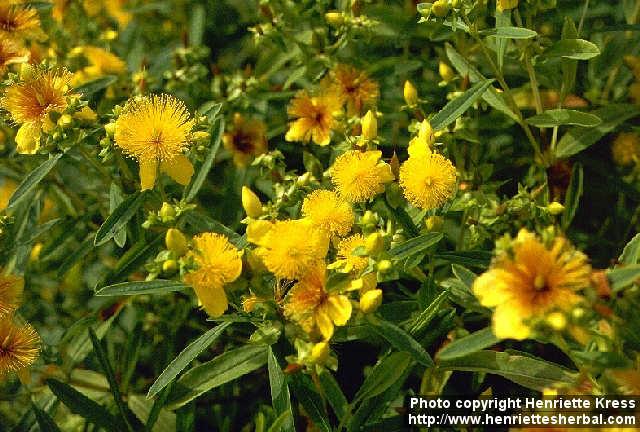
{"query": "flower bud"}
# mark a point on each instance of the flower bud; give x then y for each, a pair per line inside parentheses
(440, 8)
(320, 352)
(374, 244)
(445, 71)
(507, 4)
(26, 71)
(169, 266)
(425, 133)
(555, 208)
(384, 266)
(65, 120)
(176, 241)
(410, 93)
(200, 137)
(110, 129)
(371, 300)
(557, 320)
(334, 18)
(369, 126)
(368, 218)
(167, 212)
(251, 203)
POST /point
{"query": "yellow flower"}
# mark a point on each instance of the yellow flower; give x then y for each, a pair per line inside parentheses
(529, 282)
(10, 293)
(218, 263)
(314, 117)
(353, 87)
(154, 130)
(30, 101)
(245, 140)
(359, 176)
(626, 148)
(309, 304)
(101, 63)
(10, 53)
(328, 212)
(288, 249)
(19, 346)
(428, 180)
(347, 261)
(19, 22)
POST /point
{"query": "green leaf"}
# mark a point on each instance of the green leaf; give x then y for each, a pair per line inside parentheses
(45, 422)
(572, 197)
(459, 105)
(158, 286)
(383, 375)
(415, 245)
(185, 357)
(280, 397)
(305, 392)
(509, 32)
(469, 344)
(528, 372)
(135, 257)
(198, 180)
(463, 274)
(631, 251)
(103, 359)
(280, 423)
(465, 68)
(115, 199)
(575, 49)
(569, 67)
(559, 117)
(400, 340)
(579, 138)
(622, 277)
(470, 258)
(96, 85)
(83, 406)
(119, 218)
(221, 370)
(334, 394)
(424, 318)
(32, 179)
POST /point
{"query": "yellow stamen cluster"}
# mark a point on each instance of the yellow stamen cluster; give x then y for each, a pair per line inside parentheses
(326, 210)
(359, 176)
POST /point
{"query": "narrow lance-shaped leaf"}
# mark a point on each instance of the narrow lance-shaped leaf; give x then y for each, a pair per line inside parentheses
(305, 392)
(560, 117)
(469, 344)
(575, 49)
(280, 397)
(383, 375)
(400, 340)
(459, 105)
(83, 406)
(32, 179)
(185, 357)
(119, 218)
(157, 286)
(415, 245)
(574, 192)
(198, 180)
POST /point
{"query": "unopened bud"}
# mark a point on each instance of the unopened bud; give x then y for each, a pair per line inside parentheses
(374, 244)
(334, 18)
(169, 266)
(445, 71)
(507, 4)
(176, 241)
(200, 137)
(557, 320)
(434, 223)
(167, 212)
(368, 218)
(371, 300)
(320, 352)
(65, 120)
(110, 129)
(384, 266)
(369, 126)
(251, 203)
(440, 8)
(410, 93)
(555, 208)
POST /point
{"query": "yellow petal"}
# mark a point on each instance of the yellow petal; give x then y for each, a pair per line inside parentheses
(179, 168)
(491, 288)
(213, 299)
(257, 230)
(28, 138)
(385, 173)
(325, 325)
(339, 309)
(508, 322)
(148, 173)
